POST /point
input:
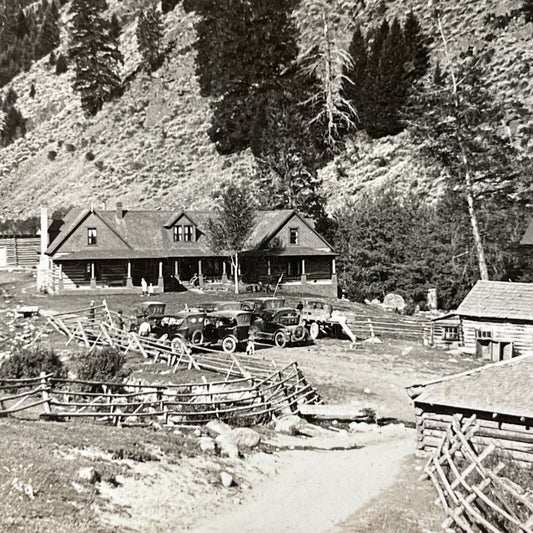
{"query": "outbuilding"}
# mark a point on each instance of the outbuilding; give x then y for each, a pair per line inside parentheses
(499, 394)
(494, 321)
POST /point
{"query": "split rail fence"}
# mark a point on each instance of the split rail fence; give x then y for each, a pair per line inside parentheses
(398, 328)
(470, 487)
(243, 400)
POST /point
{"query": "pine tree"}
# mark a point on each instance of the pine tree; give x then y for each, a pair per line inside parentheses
(14, 124)
(416, 43)
(48, 35)
(149, 38)
(116, 28)
(61, 64)
(168, 5)
(95, 54)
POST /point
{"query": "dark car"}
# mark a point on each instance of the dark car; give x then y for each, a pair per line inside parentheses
(227, 328)
(279, 325)
(187, 326)
(147, 312)
(258, 305)
(210, 307)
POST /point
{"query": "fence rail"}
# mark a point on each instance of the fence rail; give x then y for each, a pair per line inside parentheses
(474, 495)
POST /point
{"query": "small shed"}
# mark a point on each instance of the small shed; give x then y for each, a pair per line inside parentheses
(494, 321)
(19, 250)
(499, 394)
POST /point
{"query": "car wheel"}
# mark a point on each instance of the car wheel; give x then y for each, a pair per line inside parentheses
(197, 337)
(314, 330)
(229, 344)
(178, 346)
(280, 339)
(299, 334)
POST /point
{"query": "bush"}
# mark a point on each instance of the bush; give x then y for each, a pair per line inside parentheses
(52, 154)
(70, 147)
(89, 156)
(103, 365)
(30, 362)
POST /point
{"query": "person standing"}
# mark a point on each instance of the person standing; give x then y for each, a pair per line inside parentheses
(144, 287)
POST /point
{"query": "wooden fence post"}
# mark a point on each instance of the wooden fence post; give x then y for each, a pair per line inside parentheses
(46, 396)
(370, 327)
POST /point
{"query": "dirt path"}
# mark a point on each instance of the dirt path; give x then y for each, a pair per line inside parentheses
(314, 490)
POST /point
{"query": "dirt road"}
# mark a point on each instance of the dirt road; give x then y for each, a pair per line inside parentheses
(314, 490)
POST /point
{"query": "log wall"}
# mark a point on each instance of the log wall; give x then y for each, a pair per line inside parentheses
(509, 434)
(520, 334)
(22, 251)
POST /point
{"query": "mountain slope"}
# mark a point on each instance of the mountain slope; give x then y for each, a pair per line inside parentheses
(150, 147)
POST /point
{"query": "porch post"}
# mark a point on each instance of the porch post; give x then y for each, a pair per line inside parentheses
(160, 283)
(177, 269)
(93, 279)
(129, 282)
(334, 285)
(333, 271)
(304, 274)
(61, 285)
(224, 273)
(200, 275)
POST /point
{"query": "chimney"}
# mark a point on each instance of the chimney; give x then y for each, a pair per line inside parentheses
(44, 229)
(120, 211)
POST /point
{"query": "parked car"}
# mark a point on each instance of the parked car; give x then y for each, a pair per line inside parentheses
(147, 315)
(258, 305)
(187, 326)
(313, 313)
(280, 325)
(227, 328)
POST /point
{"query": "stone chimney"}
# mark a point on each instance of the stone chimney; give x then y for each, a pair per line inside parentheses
(119, 211)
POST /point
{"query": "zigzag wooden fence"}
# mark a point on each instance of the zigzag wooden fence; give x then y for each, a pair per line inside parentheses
(244, 400)
(473, 494)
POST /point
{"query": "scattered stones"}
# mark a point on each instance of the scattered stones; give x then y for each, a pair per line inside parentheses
(89, 474)
(289, 425)
(243, 437)
(227, 447)
(226, 479)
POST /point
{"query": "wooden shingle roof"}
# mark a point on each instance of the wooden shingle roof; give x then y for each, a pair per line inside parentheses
(499, 299)
(504, 388)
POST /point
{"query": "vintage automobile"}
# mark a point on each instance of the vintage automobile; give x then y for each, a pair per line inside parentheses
(227, 328)
(318, 315)
(186, 326)
(147, 315)
(210, 307)
(281, 325)
(258, 305)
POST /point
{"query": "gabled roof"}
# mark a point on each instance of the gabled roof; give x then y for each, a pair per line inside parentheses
(499, 299)
(527, 239)
(503, 388)
(146, 232)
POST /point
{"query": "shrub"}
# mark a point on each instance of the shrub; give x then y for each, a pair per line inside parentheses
(70, 147)
(89, 156)
(30, 362)
(103, 365)
(52, 58)
(52, 154)
(32, 91)
(61, 64)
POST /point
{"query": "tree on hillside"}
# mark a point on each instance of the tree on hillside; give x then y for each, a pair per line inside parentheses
(150, 37)
(457, 124)
(12, 123)
(231, 228)
(95, 53)
(48, 35)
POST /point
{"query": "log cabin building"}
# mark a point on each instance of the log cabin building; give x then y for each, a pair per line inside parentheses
(114, 249)
(499, 394)
(494, 321)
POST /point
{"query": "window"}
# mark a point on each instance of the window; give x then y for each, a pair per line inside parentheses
(91, 236)
(451, 333)
(293, 236)
(483, 334)
(187, 233)
(178, 233)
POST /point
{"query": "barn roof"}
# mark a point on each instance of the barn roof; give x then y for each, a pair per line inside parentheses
(503, 388)
(527, 239)
(499, 299)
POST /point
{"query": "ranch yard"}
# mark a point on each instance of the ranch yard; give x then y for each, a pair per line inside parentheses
(88, 476)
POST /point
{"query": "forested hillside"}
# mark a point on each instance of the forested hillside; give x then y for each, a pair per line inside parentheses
(360, 113)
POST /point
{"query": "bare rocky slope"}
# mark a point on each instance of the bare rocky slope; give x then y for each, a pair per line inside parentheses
(150, 147)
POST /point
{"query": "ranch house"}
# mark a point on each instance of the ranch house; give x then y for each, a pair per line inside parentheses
(494, 321)
(114, 249)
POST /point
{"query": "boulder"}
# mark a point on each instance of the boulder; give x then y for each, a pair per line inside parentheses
(226, 479)
(217, 427)
(227, 447)
(289, 425)
(394, 302)
(89, 474)
(243, 437)
(207, 444)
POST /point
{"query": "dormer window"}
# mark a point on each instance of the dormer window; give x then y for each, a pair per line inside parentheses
(293, 236)
(91, 236)
(184, 233)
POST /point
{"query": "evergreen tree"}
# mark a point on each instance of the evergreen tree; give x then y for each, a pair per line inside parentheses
(32, 91)
(48, 35)
(168, 5)
(14, 124)
(21, 28)
(61, 64)
(417, 46)
(95, 54)
(150, 38)
(116, 28)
